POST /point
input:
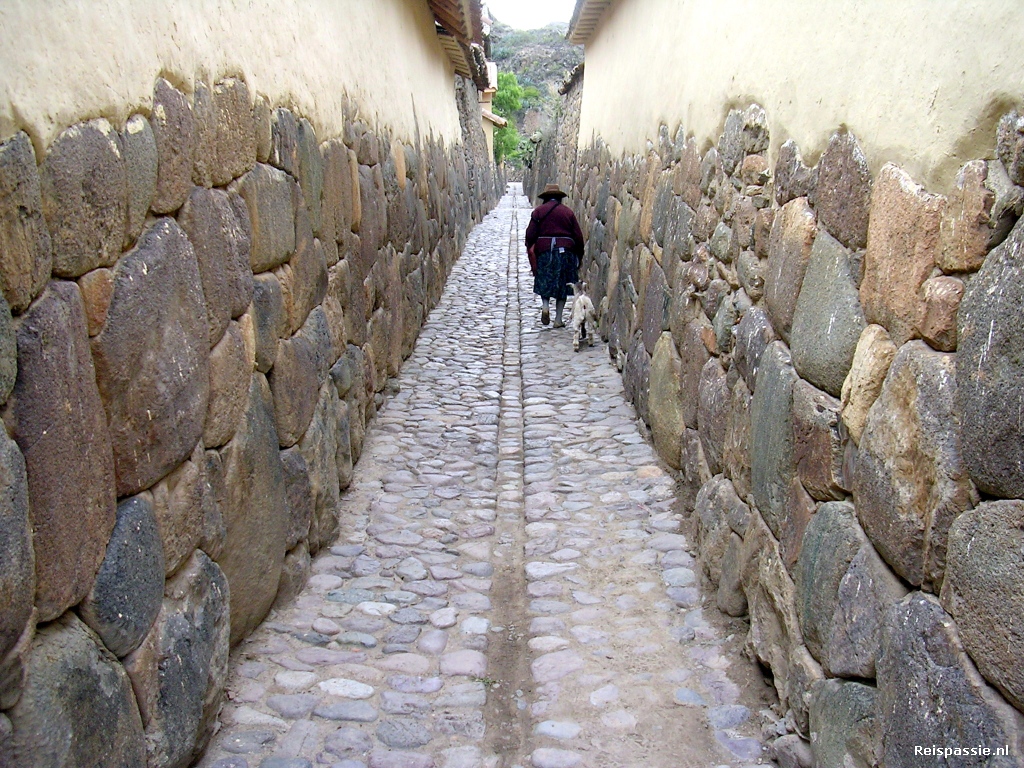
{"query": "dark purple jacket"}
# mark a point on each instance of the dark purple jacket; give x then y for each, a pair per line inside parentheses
(552, 219)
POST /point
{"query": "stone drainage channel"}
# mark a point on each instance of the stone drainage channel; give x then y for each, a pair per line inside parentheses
(510, 587)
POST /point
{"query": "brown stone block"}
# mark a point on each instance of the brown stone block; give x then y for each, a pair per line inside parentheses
(235, 131)
(941, 300)
(155, 384)
(138, 145)
(819, 442)
(910, 482)
(293, 381)
(966, 229)
(179, 503)
(871, 361)
(254, 508)
(204, 136)
(262, 122)
(736, 451)
(304, 278)
(230, 370)
(25, 246)
(173, 129)
(666, 407)
(56, 417)
(842, 194)
(903, 244)
(775, 638)
(85, 197)
(1010, 145)
(789, 252)
(97, 289)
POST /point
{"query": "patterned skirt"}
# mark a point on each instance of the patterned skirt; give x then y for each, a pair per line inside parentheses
(555, 271)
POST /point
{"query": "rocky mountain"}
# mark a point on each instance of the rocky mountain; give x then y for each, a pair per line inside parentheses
(540, 58)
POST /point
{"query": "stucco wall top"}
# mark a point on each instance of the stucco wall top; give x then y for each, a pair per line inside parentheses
(63, 61)
(918, 82)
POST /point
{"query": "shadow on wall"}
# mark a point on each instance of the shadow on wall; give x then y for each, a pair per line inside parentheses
(832, 361)
(199, 315)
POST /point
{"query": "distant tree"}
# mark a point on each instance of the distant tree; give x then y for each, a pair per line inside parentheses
(509, 98)
(507, 101)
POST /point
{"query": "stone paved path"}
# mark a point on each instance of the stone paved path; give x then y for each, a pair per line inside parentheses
(509, 587)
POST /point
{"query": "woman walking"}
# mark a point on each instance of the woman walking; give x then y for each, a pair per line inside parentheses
(555, 244)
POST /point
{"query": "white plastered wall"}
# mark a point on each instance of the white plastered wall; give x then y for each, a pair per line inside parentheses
(919, 82)
(62, 61)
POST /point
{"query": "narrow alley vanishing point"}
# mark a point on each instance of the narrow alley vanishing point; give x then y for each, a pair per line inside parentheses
(510, 586)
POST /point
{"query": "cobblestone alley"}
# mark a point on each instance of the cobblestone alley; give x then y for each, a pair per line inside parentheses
(510, 586)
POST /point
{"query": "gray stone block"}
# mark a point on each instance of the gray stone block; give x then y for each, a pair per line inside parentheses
(1010, 145)
(269, 319)
(843, 590)
(179, 502)
(930, 693)
(85, 196)
(293, 381)
(77, 707)
(714, 398)
(220, 239)
(299, 494)
(254, 510)
(270, 196)
(842, 195)
(25, 246)
(754, 333)
(789, 251)
(319, 447)
(129, 586)
(828, 319)
(138, 145)
(17, 558)
(235, 131)
(984, 591)
(155, 384)
(174, 131)
(56, 417)
(180, 670)
(792, 178)
(230, 371)
(990, 370)
(666, 401)
(845, 725)
(819, 440)
(304, 278)
(910, 482)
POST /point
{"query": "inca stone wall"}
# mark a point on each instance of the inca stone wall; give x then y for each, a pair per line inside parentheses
(555, 159)
(832, 359)
(200, 312)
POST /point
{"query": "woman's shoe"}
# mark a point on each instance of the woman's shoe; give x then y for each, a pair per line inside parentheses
(545, 317)
(558, 324)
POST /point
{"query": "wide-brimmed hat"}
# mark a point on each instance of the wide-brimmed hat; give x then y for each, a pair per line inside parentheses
(551, 190)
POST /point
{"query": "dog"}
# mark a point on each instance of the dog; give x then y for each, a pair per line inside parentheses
(584, 317)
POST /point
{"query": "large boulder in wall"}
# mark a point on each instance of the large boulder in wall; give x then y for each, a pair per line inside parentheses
(181, 667)
(77, 709)
(990, 370)
(56, 417)
(255, 513)
(910, 482)
(154, 375)
(930, 692)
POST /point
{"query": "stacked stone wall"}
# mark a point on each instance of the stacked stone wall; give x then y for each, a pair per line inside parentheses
(833, 360)
(200, 313)
(554, 157)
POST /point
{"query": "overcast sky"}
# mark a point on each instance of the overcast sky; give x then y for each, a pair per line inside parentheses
(530, 14)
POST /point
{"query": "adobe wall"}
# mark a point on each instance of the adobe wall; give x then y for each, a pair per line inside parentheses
(202, 302)
(919, 85)
(831, 357)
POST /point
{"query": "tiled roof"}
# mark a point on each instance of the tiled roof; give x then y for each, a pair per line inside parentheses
(585, 18)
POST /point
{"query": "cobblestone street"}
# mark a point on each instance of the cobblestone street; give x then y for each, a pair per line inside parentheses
(510, 586)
